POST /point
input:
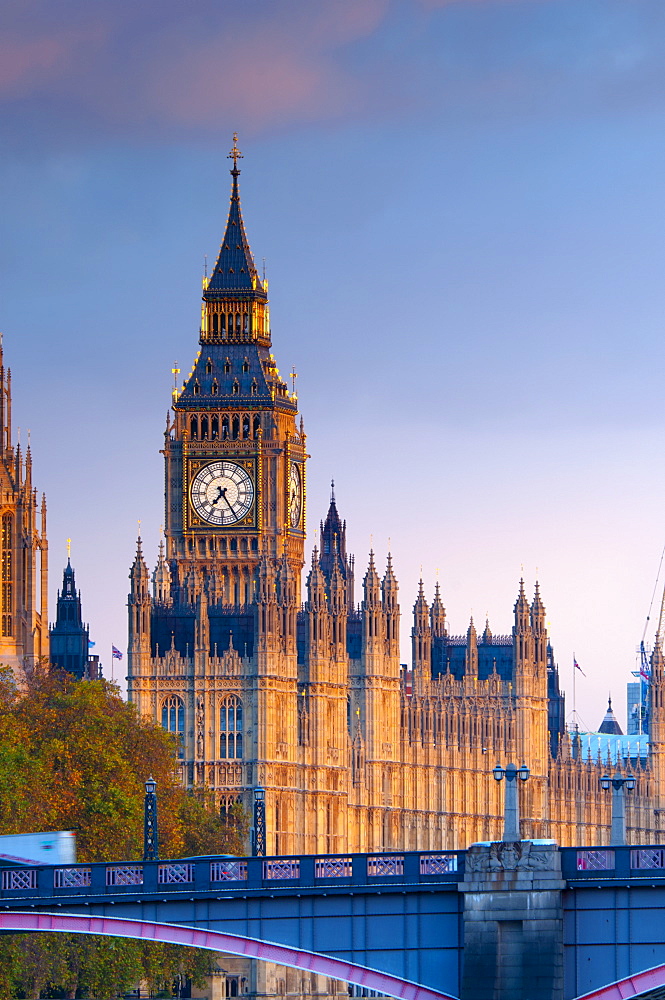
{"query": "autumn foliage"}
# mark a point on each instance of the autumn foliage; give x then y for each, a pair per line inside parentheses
(75, 756)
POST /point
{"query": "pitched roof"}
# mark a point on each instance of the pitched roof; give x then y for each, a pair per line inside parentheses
(234, 270)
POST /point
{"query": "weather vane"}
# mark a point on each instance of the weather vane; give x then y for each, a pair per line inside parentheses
(294, 376)
(235, 153)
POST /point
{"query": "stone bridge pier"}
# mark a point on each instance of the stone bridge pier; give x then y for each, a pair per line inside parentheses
(513, 922)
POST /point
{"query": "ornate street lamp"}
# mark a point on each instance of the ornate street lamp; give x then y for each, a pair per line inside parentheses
(150, 841)
(619, 786)
(511, 822)
(259, 833)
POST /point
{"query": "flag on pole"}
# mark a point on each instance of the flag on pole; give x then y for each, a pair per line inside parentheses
(117, 655)
(90, 644)
(578, 667)
(644, 674)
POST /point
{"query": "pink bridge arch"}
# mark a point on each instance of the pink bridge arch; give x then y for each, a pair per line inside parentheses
(631, 986)
(233, 944)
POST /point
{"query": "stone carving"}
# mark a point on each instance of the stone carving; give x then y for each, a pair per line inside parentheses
(509, 857)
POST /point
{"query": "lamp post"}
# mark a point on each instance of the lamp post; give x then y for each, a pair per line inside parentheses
(150, 841)
(259, 833)
(511, 821)
(619, 787)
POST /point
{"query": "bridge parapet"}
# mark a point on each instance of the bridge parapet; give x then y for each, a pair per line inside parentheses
(241, 874)
(605, 863)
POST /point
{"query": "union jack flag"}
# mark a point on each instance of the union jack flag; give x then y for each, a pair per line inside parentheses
(117, 655)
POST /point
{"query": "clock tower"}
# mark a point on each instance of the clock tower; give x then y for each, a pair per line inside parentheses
(212, 651)
(235, 458)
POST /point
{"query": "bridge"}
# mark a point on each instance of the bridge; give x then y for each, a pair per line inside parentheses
(499, 920)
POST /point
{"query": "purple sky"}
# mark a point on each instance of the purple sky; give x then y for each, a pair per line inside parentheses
(460, 205)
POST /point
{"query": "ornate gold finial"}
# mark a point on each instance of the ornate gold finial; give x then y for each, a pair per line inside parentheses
(139, 524)
(294, 376)
(235, 154)
(175, 371)
(69, 548)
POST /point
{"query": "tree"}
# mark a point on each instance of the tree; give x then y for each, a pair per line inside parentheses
(75, 756)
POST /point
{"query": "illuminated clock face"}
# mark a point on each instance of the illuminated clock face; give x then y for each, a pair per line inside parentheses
(295, 495)
(222, 493)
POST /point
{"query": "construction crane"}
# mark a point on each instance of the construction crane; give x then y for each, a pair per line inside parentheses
(644, 672)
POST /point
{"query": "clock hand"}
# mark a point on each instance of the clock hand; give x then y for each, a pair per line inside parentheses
(220, 493)
(227, 503)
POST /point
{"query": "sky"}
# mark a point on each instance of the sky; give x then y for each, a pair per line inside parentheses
(459, 204)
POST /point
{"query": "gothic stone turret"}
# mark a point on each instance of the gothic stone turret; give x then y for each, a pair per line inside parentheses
(24, 593)
(69, 636)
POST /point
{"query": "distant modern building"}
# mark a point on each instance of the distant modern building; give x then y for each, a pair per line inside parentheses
(637, 707)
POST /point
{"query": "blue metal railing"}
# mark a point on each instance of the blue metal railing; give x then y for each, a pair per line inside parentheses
(230, 873)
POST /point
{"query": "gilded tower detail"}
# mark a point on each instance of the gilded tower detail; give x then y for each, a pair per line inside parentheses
(306, 697)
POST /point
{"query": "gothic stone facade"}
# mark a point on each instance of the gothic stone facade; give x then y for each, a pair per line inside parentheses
(24, 549)
(309, 700)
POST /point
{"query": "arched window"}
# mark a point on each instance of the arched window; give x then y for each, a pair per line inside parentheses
(214, 428)
(194, 428)
(225, 427)
(257, 425)
(245, 365)
(222, 323)
(197, 388)
(245, 426)
(236, 387)
(227, 366)
(214, 323)
(173, 720)
(215, 387)
(204, 428)
(236, 427)
(7, 575)
(208, 366)
(230, 728)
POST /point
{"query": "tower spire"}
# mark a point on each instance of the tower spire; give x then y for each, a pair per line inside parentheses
(234, 269)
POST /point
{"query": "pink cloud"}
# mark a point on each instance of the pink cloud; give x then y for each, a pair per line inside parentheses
(259, 78)
(26, 63)
(192, 67)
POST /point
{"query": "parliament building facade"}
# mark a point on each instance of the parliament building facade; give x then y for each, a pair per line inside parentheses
(303, 694)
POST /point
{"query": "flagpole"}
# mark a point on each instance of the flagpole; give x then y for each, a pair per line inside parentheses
(112, 663)
(574, 690)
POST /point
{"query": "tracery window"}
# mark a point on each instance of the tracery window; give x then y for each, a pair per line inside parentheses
(173, 720)
(230, 728)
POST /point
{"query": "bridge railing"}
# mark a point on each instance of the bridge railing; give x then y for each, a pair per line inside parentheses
(612, 862)
(210, 874)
